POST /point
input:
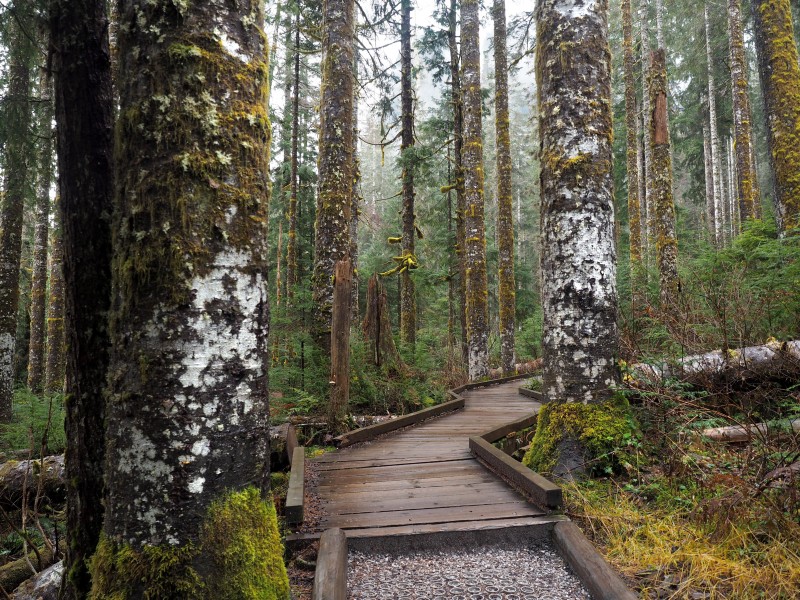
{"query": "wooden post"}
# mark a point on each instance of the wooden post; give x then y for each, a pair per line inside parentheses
(340, 345)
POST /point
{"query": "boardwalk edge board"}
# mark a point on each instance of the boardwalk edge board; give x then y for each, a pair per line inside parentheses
(295, 497)
(532, 394)
(542, 491)
(588, 564)
(330, 576)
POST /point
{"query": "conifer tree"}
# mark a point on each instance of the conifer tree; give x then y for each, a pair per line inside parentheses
(472, 164)
(408, 302)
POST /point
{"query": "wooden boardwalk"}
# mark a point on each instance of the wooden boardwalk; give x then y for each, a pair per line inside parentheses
(424, 479)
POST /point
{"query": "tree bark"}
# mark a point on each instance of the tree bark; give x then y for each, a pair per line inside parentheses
(19, 479)
(647, 227)
(506, 292)
(408, 302)
(84, 114)
(340, 346)
(664, 218)
(55, 357)
(780, 82)
(472, 164)
(458, 171)
(634, 204)
(719, 239)
(335, 165)
(747, 178)
(36, 343)
(291, 244)
(188, 514)
(579, 298)
(709, 176)
(355, 207)
(377, 328)
(18, 149)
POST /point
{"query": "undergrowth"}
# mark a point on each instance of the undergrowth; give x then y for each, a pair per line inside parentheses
(38, 423)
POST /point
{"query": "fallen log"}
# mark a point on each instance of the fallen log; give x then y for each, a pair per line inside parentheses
(521, 368)
(744, 433)
(20, 476)
(14, 573)
(771, 359)
(42, 586)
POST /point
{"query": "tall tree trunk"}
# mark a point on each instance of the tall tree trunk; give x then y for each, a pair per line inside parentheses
(746, 178)
(291, 244)
(714, 135)
(335, 166)
(55, 357)
(408, 302)
(647, 229)
(708, 165)
(664, 218)
(188, 514)
(634, 210)
(579, 299)
(725, 194)
(36, 343)
(458, 171)
(477, 292)
(356, 201)
(780, 81)
(84, 114)
(506, 293)
(18, 150)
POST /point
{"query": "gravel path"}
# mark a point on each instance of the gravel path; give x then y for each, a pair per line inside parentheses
(487, 573)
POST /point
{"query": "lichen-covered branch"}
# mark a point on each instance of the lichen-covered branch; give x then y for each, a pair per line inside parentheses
(472, 164)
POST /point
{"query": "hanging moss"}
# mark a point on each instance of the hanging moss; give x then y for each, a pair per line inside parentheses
(240, 539)
(600, 431)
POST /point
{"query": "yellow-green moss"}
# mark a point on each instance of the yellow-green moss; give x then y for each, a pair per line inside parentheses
(602, 430)
(239, 553)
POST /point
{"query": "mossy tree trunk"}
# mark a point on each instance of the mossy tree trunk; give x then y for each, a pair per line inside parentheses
(36, 342)
(746, 177)
(18, 150)
(780, 82)
(408, 302)
(664, 217)
(188, 405)
(456, 98)
(84, 117)
(579, 298)
(506, 291)
(472, 164)
(356, 200)
(713, 135)
(54, 357)
(709, 175)
(634, 203)
(335, 166)
(291, 210)
(646, 200)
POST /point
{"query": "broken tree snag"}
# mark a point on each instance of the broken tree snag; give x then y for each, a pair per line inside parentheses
(377, 328)
(340, 345)
(774, 359)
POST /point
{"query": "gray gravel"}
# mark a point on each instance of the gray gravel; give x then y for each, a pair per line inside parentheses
(532, 572)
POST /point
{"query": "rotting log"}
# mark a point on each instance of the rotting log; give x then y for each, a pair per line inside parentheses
(45, 585)
(771, 359)
(330, 578)
(20, 477)
(14, 573)
(340, 345)
(745, 433)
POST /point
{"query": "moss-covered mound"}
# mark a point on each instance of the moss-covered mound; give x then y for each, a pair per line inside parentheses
(239, 557)
(573, 439)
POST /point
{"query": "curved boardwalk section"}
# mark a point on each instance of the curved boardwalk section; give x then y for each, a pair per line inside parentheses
(423, 479)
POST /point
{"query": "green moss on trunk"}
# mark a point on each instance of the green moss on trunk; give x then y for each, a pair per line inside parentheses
(240, 539)
(598, 431)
